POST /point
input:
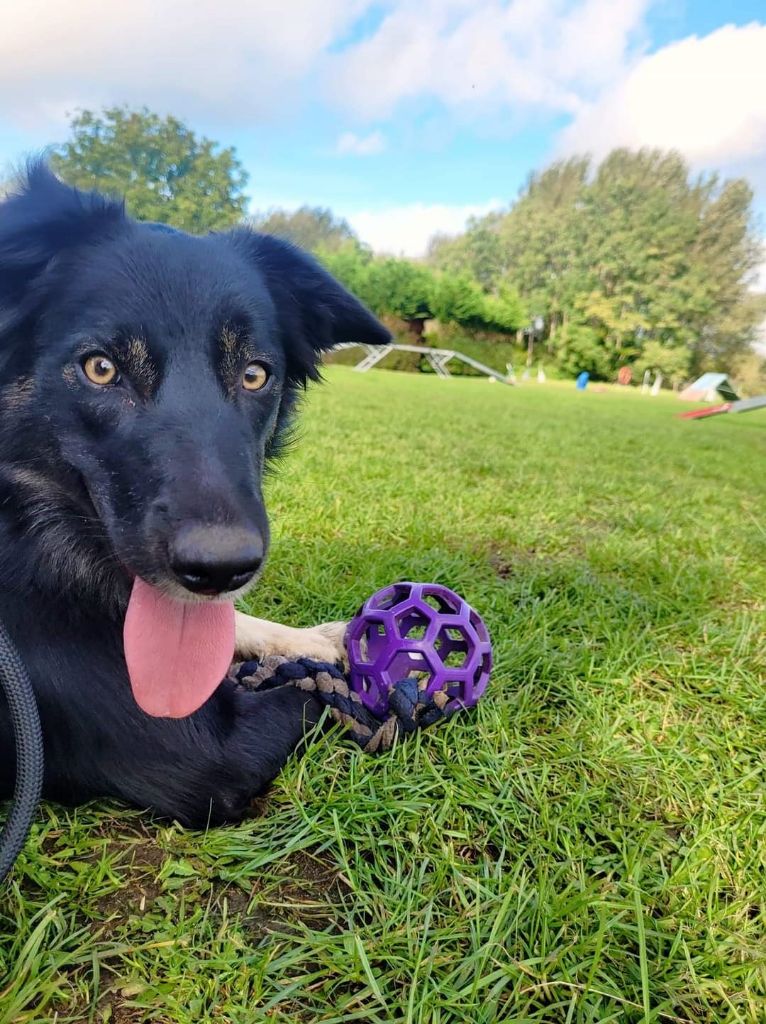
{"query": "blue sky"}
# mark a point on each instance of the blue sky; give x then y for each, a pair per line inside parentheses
(404, 116)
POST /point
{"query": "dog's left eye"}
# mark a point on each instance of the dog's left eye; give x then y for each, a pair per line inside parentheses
(99, 369)
(255, 377)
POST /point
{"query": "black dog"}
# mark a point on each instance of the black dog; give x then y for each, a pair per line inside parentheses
(146, 377)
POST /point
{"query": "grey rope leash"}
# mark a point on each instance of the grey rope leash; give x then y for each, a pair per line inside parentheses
(28, 737)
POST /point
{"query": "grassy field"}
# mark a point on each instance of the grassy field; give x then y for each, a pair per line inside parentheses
(588, 845)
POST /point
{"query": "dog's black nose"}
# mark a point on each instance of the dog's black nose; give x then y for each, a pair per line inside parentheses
(215, 559)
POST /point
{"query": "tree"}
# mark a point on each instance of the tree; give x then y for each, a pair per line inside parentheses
(311, 227)
(412, 292)
(671, 259)
(478, 253)
(403, 289)
(505, 310)
(542, 237)
(582, 348)
(165, 172)
(389, 286)
(642, 218)
(458, 299)
(672, 363)
(749, 373)
(723, 313)
(636, 250)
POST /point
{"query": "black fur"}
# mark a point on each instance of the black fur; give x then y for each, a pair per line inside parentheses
(95, 483)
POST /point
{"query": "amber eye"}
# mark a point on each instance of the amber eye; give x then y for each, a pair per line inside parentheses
(100, 370)
(255, 377)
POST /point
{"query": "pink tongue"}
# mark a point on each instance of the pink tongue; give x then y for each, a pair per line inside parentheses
(177, 653)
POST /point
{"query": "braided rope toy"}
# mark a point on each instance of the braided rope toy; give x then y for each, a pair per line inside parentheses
(418, 653)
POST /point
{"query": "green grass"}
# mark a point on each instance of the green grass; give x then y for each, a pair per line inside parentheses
(588, 845)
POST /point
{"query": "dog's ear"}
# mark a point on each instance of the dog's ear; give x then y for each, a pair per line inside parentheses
(314, 311)
(40, 219)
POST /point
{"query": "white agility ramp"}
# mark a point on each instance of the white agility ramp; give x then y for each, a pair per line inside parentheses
(438, 358)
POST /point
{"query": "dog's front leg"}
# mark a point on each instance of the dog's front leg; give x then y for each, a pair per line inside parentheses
(258, 638)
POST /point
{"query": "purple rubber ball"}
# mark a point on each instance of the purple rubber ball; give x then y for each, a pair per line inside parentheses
(423, 630)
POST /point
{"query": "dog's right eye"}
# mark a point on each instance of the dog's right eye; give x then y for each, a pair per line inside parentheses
(99, 369)
(255, 377)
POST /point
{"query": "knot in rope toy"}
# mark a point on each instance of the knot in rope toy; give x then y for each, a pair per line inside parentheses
(409, 706)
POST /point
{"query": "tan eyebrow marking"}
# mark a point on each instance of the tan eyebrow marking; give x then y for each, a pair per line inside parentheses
(229, 340)
(233, 354)
(138, 364)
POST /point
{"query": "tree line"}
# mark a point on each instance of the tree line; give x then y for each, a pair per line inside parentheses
(633, 261)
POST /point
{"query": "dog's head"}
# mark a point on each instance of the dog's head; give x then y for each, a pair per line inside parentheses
(146, 375)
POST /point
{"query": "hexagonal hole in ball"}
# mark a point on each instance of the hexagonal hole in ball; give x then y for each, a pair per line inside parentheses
(391, 596)
(410, 663)
(445, 603)
(452, 646)
(412, 624)
(371, 641)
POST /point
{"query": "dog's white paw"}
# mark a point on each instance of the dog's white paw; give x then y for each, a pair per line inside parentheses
(257, 638)
(324, 643)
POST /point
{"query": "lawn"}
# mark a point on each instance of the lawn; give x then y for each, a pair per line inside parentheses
(588, 845)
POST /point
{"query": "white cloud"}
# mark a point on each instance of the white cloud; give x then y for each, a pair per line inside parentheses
(406, 230)
(352, 144)
(233, 60)
(236, 61)
(703, 96)
(527, 53)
